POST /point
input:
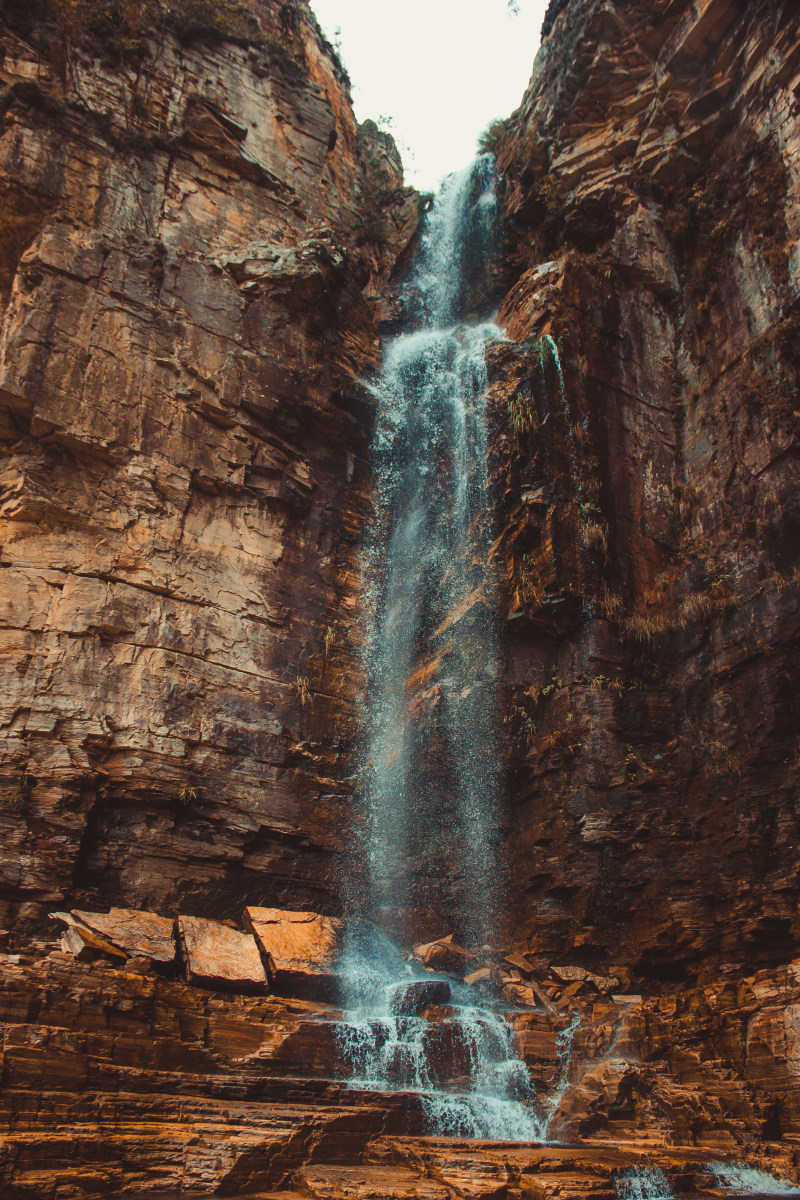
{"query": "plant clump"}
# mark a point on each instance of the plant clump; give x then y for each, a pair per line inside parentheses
(21, 793)
(491, 137)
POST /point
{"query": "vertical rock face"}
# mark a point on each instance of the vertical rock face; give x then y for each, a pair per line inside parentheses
(183, 422)
(651, 500)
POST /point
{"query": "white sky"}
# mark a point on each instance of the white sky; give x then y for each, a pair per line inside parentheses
(441, 69)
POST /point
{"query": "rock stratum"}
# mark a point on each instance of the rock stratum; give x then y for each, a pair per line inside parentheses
(196, 245)
(189, 227)
(651, 543)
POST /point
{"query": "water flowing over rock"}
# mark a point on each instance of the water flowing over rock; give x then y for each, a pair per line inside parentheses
(551, 536)
(430, 783)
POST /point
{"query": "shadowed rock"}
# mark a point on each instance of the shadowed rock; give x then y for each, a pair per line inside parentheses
(409, 999)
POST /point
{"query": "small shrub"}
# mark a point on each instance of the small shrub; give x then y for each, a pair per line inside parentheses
(122, 26)
(187, 795)
(303, 689)
(489, 141)
(522, 415)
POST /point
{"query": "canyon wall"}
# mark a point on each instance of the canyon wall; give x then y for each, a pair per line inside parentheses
(190, 218)
(196, 242)
(651, 504)
(195, 232)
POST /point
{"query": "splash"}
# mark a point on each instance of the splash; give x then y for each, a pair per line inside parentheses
(643, 1183)
(746, 1180)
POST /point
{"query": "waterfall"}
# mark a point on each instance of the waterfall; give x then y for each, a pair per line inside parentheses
(643, 1183)
(429, 780)
(741, 1178)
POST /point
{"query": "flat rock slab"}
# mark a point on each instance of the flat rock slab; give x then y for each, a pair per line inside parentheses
(140, 934)
(302, 949)
(85, 945)
(216, 955)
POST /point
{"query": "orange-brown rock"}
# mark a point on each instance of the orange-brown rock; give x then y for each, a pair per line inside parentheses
(194, 236)
(183, 423)
(85, 945)
(111, 1077)
(647, 459)
(218, 956)
(140, 934)
(446, 955)
(301, 948)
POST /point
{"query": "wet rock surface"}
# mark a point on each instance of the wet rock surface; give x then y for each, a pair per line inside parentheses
(409, 999)
(189, 297)
(113, 1079)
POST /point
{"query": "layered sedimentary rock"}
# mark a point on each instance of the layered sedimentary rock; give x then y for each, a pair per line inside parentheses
(646, 450)
(120, 1078)
(193, 235)
(189, 215)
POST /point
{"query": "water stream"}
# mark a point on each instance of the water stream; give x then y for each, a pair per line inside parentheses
(742, 1179)
(429, 780)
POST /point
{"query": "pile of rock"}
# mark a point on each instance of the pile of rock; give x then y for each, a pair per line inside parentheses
(291, 953)
(518, 980)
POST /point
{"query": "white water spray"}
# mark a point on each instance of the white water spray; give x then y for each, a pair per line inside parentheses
(745, 1180)
(429, 781)
(643, 1183)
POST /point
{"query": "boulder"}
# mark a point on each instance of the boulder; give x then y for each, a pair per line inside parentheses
(446, 955)
(409, 999)
(220, 957)
(520, 994)
(520, 962)
(301, 950)
(138, 933)
(603, 983)
(481, 977)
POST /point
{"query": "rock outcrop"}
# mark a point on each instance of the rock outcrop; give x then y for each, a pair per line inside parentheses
(120, 1078)
(187, 228)
(646, 452)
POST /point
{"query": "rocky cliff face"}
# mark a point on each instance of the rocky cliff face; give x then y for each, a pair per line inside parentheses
(195, 241)
(647, 454)
(189, 215)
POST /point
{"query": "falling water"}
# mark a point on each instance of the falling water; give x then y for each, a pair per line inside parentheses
(429, 781)
(743, 1179)
(430, 776)
(643, 1183)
